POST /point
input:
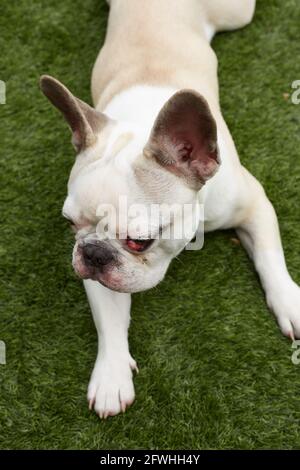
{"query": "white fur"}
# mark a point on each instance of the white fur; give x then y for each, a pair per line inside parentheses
(110, 389)
(140, 104)
(232, 198)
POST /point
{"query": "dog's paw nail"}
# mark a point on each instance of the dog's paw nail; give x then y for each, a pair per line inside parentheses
(123, 406)
(291, 336)
(133, 365)
(91, 404)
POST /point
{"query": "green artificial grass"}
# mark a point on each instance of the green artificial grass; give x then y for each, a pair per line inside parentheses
(215, 372)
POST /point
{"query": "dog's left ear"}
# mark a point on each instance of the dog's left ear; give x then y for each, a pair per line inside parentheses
(184, 138)
(85, 122)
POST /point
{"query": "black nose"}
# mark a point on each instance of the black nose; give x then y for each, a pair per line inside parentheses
(97, 255)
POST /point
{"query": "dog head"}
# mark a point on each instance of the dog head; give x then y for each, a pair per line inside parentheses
(128, 186)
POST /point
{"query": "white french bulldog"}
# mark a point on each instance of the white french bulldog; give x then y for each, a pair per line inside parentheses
(157, 136)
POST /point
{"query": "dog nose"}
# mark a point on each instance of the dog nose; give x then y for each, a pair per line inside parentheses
(96, 255)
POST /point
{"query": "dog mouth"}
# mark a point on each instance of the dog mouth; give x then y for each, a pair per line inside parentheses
(138, 245)
(107, 279)
(103, 274)
(110, 271)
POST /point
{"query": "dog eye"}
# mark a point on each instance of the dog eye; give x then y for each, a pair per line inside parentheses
(138, 245)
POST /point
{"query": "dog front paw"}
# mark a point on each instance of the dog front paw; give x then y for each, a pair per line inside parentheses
(111, 389)
(285, 303)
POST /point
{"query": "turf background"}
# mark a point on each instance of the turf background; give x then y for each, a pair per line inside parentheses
(214, 370)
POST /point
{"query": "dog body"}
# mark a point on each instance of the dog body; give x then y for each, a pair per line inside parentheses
(144, 62)
(158, 136)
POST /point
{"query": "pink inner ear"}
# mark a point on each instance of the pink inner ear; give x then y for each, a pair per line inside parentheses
(184, 138)
(184, 150)
(190, 137)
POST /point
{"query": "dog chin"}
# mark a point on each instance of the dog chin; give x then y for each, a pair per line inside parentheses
(119, 284)
(112, 282)
(116, 284)
(106, 279)
(111, 279)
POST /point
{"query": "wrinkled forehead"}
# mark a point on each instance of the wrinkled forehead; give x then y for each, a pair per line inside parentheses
(103, 171)
(95, 188)
(115, 176)
(112, 202)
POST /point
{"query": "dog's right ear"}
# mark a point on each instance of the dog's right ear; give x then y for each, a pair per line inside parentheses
(183, 139)
(85, 122)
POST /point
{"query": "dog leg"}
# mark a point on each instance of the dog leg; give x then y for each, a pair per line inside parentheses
(259, 233)
(227, 15)
(111, 388)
